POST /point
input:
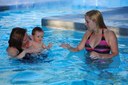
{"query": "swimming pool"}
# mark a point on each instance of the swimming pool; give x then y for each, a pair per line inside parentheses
(66, 68)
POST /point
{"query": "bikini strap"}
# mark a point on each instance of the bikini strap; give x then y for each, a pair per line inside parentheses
(102, 31)
(90, 35)
(103, 38)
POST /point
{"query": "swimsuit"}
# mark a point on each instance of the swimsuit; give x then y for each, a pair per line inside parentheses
(102, 47)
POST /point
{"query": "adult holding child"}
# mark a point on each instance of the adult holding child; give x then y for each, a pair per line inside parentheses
(20, 44)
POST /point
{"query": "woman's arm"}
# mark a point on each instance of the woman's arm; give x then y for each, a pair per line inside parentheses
(112, 39)
(80, 46)
(14, 53)
(23, 53)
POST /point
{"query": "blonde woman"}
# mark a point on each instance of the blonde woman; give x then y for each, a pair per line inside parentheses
(99, 41)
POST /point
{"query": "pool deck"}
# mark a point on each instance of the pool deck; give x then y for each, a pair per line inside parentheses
(116, 20)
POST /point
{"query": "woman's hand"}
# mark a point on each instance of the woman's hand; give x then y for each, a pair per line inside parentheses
(94, 55)
(66, 46)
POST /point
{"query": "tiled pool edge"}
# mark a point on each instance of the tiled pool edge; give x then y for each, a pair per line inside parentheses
(77, 26)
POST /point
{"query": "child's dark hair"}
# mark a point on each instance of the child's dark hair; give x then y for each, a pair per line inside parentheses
(39, 29)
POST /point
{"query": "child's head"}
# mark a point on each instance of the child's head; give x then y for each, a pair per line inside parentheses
(37, 34)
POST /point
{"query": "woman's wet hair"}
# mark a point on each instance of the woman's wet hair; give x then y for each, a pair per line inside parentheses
(16, 37)
(96, 16)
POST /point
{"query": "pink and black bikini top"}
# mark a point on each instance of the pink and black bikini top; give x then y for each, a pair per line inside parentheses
(102, 47)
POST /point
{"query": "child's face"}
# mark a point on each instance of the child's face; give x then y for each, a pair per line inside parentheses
(38, 36)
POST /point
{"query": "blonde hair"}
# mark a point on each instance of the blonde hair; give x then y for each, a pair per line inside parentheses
(96, 16)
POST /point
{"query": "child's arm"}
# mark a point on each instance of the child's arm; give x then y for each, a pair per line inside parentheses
(47, 47)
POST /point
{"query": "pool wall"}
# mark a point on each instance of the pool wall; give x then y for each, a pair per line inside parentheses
(116, 19)
(114, 11)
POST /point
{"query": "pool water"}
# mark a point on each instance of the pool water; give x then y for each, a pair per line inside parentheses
(64, 67)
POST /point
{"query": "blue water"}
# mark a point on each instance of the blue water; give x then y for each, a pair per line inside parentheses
(64, 68)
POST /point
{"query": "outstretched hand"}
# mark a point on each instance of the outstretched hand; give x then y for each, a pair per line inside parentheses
(66, 46)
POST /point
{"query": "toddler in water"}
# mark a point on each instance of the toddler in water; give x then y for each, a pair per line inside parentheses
(36, 43)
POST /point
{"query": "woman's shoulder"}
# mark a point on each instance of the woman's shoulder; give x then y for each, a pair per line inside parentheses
(11, 48)
(87, 33)
(12, 51)
(108, 31)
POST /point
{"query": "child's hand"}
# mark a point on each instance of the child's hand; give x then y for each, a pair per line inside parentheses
(49, 45)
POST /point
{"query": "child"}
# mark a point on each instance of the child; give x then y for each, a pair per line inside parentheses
(36, 43)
